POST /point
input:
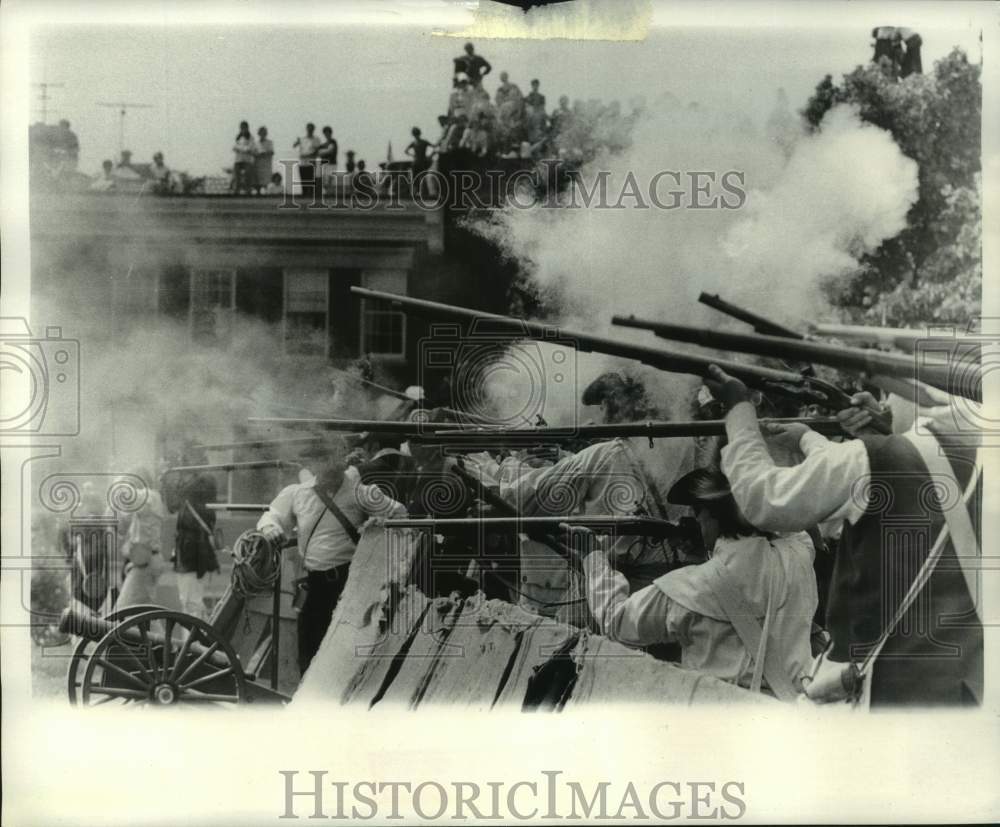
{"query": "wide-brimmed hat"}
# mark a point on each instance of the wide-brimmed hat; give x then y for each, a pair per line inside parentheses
(703, 485)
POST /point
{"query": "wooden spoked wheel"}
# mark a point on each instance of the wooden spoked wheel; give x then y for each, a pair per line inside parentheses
(85, 647)
(145, 661)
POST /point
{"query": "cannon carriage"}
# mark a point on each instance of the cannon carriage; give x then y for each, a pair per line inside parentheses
(152, 655)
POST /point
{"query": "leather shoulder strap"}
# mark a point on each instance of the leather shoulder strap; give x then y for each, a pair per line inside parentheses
(202, 523)
(347, 525)
(748, 628)
(963, 535)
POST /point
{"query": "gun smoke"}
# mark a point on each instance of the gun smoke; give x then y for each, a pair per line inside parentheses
(815, 203)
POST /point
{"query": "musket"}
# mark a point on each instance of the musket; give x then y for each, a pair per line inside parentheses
(359, 426)
(807, 390)
(256, 508)
(597, 523)
(759, 323)
(966, 382)
(910, 389)
(898, 337)
(505, 509)
(235, 466)
(453, 433)
(261, 443)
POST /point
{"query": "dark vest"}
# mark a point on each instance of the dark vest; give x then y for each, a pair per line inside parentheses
(935, 654)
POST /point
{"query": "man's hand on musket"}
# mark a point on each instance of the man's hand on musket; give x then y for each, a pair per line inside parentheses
(729, 390)
(580, 540)
(857, 419)
(787, 435)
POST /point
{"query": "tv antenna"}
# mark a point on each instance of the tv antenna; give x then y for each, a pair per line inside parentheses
(123, 107)
(44, 97)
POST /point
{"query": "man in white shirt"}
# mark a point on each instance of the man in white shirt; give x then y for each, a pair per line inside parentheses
(879, 487)
(753, 584)
(328, 511)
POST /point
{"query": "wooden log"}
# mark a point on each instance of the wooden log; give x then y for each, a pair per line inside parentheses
(611, 673)
(376, 586)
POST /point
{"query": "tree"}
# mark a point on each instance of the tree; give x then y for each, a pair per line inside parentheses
(932, 270)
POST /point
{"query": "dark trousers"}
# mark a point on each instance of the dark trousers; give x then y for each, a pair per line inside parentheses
(323, 590)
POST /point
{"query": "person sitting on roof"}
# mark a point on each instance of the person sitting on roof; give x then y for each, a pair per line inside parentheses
(744, 616)
(105, 181)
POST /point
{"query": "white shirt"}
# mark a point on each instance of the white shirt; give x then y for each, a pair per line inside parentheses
(329, 545)
(680, 607)
(829, 485)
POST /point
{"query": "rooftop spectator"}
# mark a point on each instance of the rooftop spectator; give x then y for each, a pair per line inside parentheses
(535, 114)
(274, 187)
(459, 102)
(420, 149)
(308, 146)
(105, 179)
(327, 150)
(162, 177)
(561, 117)
(535, 99)
(263, 159)
(68, 146)
(510, 111)
(477, 137)
(124, 170)
(474, 66)
(349, 165)
(245, 150)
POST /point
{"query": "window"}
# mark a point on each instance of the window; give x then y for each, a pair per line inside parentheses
(307, 303)
(383, 329)
(213, 302)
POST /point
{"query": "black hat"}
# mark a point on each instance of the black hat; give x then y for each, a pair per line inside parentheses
(699, 486)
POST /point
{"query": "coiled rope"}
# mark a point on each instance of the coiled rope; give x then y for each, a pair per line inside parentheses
(256, 564)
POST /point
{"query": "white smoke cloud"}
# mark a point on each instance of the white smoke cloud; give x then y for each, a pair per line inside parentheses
(814, 204)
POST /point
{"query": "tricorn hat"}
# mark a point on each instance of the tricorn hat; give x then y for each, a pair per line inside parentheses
(702, 485)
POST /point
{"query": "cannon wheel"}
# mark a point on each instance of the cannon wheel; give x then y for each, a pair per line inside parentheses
(164, 670)
(86, 646)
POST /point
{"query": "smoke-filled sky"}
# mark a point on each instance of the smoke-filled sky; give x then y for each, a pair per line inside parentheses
(814, 202)
(372, 84)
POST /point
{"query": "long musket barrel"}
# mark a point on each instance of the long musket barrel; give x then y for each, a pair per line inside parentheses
(358, 426)
(451, 432)
(966, 382)
(599, 524)
(235, 466)
(898, 337)
(261, 443)
(759, 323)
(807, 390)
(902, 339)
(505, 509)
